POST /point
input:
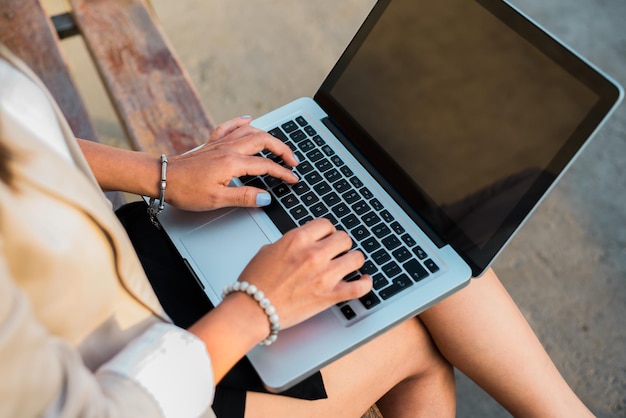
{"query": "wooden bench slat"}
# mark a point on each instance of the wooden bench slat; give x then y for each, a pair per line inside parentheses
(150, 89)
(25, 29)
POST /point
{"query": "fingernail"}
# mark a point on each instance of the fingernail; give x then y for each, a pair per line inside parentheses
(295, 174)
(295, 157)
(263, 199)
(246, 117)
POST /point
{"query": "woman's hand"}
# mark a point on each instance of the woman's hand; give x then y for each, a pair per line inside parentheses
(200, 180)
(301, 274)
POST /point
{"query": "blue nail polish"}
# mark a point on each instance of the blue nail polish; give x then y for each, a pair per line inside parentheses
(263, 199)
(296, 158)
(246, 117)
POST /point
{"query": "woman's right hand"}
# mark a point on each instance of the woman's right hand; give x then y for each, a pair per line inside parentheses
(301, 274)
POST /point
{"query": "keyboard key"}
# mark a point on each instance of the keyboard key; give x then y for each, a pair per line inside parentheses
(318, 140)
(391, 269)
(370, 300)
(306, 145)
(391, 242)
(397, 228)
(315, 155)
(331, 199)
(420, 253)
(277, 133)
(408, 240)
(398, 285)
(388, 217)
(415, 270)
(340, 210)
(299, 212)
(301, 121)
(332, 175)
(289, 126)
(300, 188)
(370, 219)
(381, 230)
(402, 254)
(369, 268)
(342, 185)
(430, 265)
(360, 207)
(318, 210)
(381, 257)
(310, 131)
(360, 233)
(290, 200)
(350, 221)
(281, 190)
(336, 160)
(323, 165)
(304, 167)
(322, 188)
(351, 196)
(356, 182)
(376, 204)
(348, 312)
(370, 245)
(313, 177)
(297, 136)
(365, 192)
(346, 171)
(380, 281)
(329, 151)
(310, 198)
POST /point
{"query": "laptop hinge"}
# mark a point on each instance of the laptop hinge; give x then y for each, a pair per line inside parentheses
(434, 237)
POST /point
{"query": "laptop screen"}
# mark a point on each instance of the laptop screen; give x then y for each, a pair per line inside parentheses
(467, 110)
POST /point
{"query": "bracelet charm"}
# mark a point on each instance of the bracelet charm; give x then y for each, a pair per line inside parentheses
(156, 206)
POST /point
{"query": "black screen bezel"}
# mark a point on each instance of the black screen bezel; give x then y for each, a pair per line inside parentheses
(414, 200)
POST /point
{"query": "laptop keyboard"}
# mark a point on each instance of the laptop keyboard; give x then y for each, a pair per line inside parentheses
(328, 188)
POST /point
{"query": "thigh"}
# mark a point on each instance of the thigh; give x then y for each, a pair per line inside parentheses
(359, 379)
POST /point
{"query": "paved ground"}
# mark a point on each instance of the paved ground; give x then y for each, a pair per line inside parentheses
(566, 268)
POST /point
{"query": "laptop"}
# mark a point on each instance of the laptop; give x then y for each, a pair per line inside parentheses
(438, 131)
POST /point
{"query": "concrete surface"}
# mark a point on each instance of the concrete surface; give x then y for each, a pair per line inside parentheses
(566, 268)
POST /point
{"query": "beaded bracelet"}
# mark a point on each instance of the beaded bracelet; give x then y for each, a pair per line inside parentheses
(264, 303)
(156, 206)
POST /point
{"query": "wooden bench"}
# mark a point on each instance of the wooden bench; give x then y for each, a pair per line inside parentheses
(157, 105)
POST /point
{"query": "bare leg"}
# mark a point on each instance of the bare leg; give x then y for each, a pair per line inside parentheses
(403, 362)
(481, 331)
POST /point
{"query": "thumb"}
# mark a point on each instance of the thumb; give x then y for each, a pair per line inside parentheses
(246, 196)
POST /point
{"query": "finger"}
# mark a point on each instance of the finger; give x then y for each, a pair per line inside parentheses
(354, 289)
(258, 166)
(337, 245)
(248, 140)
(244, 196)
(316, 230)
(227, 128)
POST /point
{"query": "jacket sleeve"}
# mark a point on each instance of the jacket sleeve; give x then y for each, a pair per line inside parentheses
(162, 373)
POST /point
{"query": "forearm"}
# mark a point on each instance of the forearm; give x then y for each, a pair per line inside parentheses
(123, 170)
(231, 330)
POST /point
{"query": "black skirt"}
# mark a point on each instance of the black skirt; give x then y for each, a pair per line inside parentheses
(185, 302)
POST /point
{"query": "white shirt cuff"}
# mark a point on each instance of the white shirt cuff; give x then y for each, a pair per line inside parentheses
(173, 365)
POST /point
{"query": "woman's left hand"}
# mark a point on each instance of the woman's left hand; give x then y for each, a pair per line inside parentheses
(199, 180)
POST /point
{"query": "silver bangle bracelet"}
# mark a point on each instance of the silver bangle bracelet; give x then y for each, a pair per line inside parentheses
(264, 303)
(156, 206)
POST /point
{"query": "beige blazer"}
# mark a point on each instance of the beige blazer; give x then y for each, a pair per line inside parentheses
(72, 291)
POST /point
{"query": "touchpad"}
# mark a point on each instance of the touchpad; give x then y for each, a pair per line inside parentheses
(222, 248)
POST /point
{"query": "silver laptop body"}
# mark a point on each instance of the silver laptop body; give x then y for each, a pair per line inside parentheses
(438, 109)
